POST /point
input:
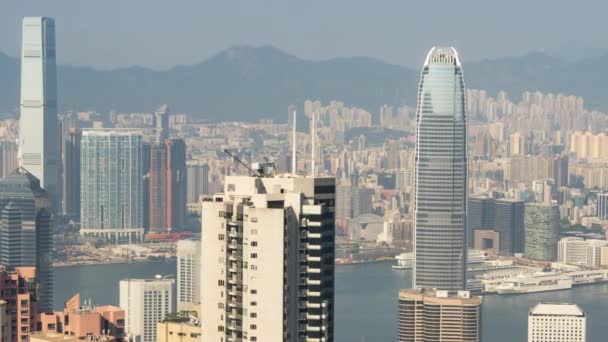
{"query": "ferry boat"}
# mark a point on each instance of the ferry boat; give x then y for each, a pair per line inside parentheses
(539, 282)
(404, 261)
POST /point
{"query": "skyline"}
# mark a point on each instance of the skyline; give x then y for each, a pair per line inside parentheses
(389, 33)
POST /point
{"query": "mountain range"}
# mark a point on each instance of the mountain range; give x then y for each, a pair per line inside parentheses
(248, 83)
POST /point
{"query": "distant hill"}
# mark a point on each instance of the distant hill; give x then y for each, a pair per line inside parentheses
(247, 83)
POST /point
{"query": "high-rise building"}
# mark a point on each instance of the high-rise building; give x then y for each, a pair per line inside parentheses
(25, 230)
(542, 231)
(479, 216)
(18, 290)
(146, 166)
(431, 316)
(441, 174)
(198, 180)
(188, 275)
(146, 302)
(268, 260)
(602, 205)
(509, 223)
(167, 177)
(160, 124)
(8, 157)
(158, 188)
(71, 172)
(517, 144)
(111, 185)
(557, 322)
(176, 183)
(38, 128)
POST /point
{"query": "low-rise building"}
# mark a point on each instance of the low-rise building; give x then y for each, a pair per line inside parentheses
(178, 331)
(80, 321)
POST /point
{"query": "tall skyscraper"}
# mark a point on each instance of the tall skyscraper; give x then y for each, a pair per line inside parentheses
(111, 185)
(176, 183)
(431, 316)
(167, 177)
(160, 124)
(440, 204)
(38, 128)
(25, 230)
(198, 180)
(557, 322)
(542, 231)
(188, 275)
(71, 172)
(158, 188)
(274, 239)
(146, 302)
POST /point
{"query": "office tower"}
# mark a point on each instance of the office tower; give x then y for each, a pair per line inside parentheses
(25, 229)
(198, 180)
(38, 129)
(557, 322)
(602, 205)
(176, 183)
(18, 290)
(509, 223)
(428, 316)
(188, 275)
(71, 173)
(160, 124)
(542, 231)
(274, 239)
(480, 216)
(146, 302)
(8, 157)
(441, 174)
(111, 185)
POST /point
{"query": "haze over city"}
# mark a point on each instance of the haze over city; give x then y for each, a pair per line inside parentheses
(336, 171)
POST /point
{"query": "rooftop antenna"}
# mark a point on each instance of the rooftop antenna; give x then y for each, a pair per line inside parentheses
(312, 142)
(254, 172)
(293, 145)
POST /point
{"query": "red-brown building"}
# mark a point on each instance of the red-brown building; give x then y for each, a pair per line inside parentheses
(82, 321)
(18, 288)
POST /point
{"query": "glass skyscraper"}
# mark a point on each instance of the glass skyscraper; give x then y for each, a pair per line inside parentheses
(441, 174)
(39, 132)
(111, 185)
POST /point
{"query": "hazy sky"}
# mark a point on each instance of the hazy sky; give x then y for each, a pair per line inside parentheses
(163, 33)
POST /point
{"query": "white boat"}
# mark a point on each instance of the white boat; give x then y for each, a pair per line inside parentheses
(539, 282)
(404, 261)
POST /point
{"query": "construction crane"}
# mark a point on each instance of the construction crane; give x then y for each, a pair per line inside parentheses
(255, 173)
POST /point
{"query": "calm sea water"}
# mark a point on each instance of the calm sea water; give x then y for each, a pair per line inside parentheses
(366, 300)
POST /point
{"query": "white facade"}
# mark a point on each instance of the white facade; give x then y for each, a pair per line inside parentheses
(146, 302)
(261, 279)
(38, 128)
(557, 322)
(188, 274)
(577, 251)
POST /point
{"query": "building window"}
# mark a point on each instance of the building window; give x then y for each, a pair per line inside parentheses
(253, 327)
(254, 243)
(220, 282)
(221, 237)
(254, 315)
(254, 255)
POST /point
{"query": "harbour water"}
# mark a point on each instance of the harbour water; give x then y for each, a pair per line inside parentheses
(366, 299)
